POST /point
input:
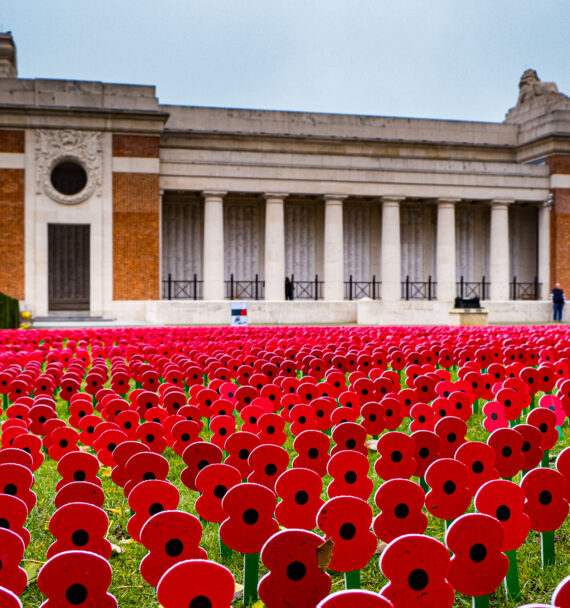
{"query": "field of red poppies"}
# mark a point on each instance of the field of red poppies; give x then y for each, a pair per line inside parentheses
(285, 466)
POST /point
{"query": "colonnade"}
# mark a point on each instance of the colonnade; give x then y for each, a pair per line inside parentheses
(390, 265)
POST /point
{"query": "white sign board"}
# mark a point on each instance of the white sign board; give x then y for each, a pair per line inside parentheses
(239, 313)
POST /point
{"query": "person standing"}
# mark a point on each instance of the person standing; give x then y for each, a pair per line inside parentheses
(557, 298)
(288, 289)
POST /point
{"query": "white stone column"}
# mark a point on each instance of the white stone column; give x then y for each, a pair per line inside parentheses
(334, 248)
(391, 254)
(274, 246)
(544, 248)
(499, 265)
(445, 249)
(213, 262)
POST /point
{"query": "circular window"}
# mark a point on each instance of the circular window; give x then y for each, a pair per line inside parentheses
(68, 178)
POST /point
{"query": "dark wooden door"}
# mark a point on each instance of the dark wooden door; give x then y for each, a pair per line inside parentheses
(68, 266)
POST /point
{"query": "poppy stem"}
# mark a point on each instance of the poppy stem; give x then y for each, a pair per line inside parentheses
(352, 579)
(547, 548)
(481, 601)
(424, 485)
(225, 551)
(545, 460)
(476, 406)
(512, 582)
(5, 401)
(250, 576)
(533, 402)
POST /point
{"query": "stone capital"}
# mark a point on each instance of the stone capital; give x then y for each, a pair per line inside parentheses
(448, 201)
(275, 196)
(334, 198)
(496, 202)
(392, 200)
(213, 194)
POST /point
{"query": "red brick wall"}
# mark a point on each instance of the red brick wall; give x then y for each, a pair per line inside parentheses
(12, 142)
(141, 146)
(560, 225)
(135, 236)
(12, 231)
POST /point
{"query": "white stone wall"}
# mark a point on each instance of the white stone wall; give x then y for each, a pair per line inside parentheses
(523, 232)
(303, 239)
(243, 239)
(472, 226)
(182, 228)
(418, 231)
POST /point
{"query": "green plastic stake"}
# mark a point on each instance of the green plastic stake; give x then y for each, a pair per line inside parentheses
(448, 523)
(532, 403)
(547, 548)
(5, 401)
(424, 485)
(545, 460)
(481, 601)
(560, 435)
(250, 576)
(225, 551)
(476, 406)
(512, 582)
(352, 579)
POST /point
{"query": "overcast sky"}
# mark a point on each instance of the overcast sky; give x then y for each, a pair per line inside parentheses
(450, 59)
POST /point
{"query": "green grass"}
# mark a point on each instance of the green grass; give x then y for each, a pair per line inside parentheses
(131, 590)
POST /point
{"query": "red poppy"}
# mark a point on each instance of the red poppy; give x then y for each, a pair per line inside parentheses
(546, 504)
(80, 491)
(196, 582)
(561, 595)
(17, 480)
(303, 417)
(479, 459)
(197, 456)
(63, 441)
(76, 577)
(426, 450)
(423, 417)
(416, 567)
(144, 466)
(12, 577)
(531, 447)
(400, 502)
(392, 411)
(79, 526)
(530, 376)
(495, 416)
(545, 421)
(77, 466)
(294, 577)
(300, 493)
(184, 433)
(504, 500)
(78, 408)
(340, 415)
(128, 422)
(312, 449)
(249, 523)
(170, 537)
(373, 418)
(121, 455)
(512, 401)
(147, 499)
(13, 513)
(239, 446)
(451, 432)
(507, 444)
(397, 459)
(349, 436)
(355, 597)
(88, 425)
(563, 467)
(29, 444)
(8, 599)
(349, 470)
(213, 482)
(449, 496)
(347, 520)
(271, 431)
(267, 463)
(39, 414)
(106, 442)
(478, 564)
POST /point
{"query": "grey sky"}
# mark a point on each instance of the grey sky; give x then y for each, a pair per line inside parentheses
(421, 58)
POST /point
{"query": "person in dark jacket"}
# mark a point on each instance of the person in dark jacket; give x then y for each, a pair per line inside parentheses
(557, 298)
(288, 289)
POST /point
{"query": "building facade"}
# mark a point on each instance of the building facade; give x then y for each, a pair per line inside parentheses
(115, 206)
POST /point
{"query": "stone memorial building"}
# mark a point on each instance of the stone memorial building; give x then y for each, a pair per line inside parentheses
(115, 206)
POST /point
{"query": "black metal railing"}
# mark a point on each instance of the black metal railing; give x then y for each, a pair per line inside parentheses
(419, 290)
(525, 291)
(467, 290)
(182, 290)
(307, 290)
(354, 290)
(245, 290)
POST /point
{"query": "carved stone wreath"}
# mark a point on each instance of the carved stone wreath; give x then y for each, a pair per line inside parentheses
(55, 146)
